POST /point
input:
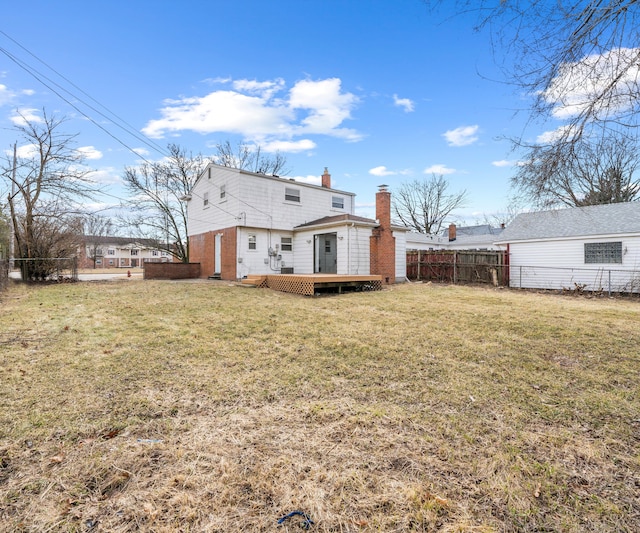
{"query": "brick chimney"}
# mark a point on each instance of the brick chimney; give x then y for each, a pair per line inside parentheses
(326, 179)
(452, 232)
(382, 241)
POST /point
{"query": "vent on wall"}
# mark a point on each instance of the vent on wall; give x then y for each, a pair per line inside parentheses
(287, 270)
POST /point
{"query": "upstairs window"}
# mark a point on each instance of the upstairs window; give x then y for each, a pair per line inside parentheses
(603, 252)
(111, 251)
(286, 244)
(337, 202)
(223, 191)
(252, 241)
(292, 195)
(205, 199)
(134, 252)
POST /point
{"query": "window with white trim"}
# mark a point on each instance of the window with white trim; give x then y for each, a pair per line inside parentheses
(603, 252)
(223, 191)
(337, 202)
(134, 252)
(252, 241)
(205, 199)
(291, 195)
(286, 244)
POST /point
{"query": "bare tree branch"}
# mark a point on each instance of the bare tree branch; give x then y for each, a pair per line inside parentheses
(424, 205)
(586, 172)
(251, 158)
(157, 192)
(49, 183)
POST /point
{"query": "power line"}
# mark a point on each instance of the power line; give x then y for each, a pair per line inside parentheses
(40, 77)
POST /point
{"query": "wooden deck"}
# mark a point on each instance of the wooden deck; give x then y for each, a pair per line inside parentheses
(311, 284)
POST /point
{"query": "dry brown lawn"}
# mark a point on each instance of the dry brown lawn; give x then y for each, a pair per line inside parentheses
(208, 407)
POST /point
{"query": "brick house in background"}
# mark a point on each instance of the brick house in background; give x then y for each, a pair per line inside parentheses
(242, 223)
(120, 252)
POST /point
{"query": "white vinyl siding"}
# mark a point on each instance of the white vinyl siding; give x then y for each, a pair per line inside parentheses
(559, 264)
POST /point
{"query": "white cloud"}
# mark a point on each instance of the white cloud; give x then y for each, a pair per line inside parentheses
(141, 151)
(384, 171)
(253, 110)
(106, 176)
(22, 116)
(27, 151)
(578, 85)
(5, 95)
(89, 152)
(327, 107)
(303, 145)
(381, 171)
(313, 180)
(406, 103)
(549, 137)
(462, 136)
(439, 169)
(502, 163)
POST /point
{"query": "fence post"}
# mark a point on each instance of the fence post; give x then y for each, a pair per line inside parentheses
(520, 281)
(609, 292)
(455, 267)
(419, 266)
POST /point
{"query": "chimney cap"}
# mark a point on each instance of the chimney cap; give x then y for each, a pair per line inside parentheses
(383, 187)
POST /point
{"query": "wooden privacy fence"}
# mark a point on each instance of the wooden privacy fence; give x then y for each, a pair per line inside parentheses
(458, 266)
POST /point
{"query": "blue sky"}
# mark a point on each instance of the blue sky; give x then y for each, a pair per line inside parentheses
(378, 91)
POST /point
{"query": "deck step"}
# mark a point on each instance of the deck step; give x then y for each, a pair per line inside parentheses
(255, 280)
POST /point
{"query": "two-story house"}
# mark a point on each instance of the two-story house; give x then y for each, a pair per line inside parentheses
(241, 223)
(98, 251)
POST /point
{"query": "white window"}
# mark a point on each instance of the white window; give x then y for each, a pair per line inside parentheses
(286, 244)
(337, 202)
(291, 195)
(111, 251)
(134, 252)
(111, 262)
(205, 199)
(223, 191)
(98, 251)
(154, 253)
(252, 241)
(98, 261)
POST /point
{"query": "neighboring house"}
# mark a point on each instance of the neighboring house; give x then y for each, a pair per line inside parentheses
(590, 248)
(481, 237)
(120, 252)
(241, 223)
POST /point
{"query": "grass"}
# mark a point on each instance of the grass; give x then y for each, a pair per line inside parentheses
(168, 406)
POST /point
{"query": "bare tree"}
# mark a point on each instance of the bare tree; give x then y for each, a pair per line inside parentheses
(250, 157)
(95, 227)
(50, 184)
(425, 205)
(157, 198)
(589, 171)
(4, 236)
(578, 60)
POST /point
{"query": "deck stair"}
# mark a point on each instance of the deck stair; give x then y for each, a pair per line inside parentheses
(255, 280)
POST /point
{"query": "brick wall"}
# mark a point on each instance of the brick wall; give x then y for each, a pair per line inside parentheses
(202, 249)
(171, 270)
